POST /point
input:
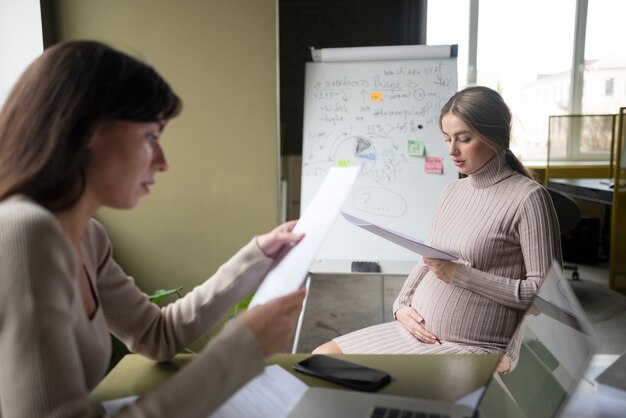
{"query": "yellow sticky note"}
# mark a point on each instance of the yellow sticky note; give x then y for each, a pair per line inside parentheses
(376, 96)
(342, 163)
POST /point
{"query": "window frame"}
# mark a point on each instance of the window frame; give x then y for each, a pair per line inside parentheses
(577, 74)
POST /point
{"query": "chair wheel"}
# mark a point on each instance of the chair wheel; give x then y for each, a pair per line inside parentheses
(575, 276)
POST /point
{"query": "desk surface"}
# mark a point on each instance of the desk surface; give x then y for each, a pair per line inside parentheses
(595, 190)
(444, 377)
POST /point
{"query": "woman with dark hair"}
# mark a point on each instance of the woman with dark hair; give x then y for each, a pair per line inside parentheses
(499, 223)
(80, 131)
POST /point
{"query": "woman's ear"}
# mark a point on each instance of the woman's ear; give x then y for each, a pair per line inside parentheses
(94, 136)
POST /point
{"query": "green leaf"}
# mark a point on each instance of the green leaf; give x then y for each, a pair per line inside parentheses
(161, 294)
(241, 305)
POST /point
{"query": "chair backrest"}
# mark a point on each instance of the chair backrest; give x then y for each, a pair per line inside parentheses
(567, 211)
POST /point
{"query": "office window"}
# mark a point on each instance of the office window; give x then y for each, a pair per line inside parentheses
(525, 50)
(447, 23)
(608, 87)
(530, 68)
(604, 70)
(605, 56)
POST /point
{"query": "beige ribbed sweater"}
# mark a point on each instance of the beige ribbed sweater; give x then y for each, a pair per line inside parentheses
(504, 230)
(52, 354)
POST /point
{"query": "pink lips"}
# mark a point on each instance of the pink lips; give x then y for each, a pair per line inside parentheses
(146, 186)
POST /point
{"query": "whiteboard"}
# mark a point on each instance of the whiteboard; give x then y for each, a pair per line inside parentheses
(368, 113)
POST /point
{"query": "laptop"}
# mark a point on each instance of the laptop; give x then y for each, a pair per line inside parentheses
(557, 347)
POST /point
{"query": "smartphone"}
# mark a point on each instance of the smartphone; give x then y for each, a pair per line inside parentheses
(343, 372)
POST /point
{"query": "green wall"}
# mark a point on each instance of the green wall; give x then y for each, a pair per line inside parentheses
(220, 56)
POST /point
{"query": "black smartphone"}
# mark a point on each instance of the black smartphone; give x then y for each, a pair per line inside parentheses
(343, 372)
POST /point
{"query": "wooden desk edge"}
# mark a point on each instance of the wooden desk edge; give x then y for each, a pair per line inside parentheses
(444, 377)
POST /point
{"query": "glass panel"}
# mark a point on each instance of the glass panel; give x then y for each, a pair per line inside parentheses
(577, 136)
(559, 134)
(525, 52)
(596, 135)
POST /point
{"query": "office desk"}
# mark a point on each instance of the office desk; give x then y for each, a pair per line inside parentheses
(594, 190)
(426, 376)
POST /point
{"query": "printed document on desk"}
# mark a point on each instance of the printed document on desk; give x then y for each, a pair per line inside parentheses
(289, 272)
(402, 240)
(272, 394)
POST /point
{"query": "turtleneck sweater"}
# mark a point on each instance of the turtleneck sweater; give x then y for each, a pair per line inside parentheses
(502, 227)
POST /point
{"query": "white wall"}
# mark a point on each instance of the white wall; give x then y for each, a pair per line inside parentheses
(20, 40)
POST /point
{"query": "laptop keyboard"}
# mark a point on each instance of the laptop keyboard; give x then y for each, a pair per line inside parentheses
(382, 412)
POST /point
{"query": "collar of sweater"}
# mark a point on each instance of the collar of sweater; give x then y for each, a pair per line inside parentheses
(494, 171)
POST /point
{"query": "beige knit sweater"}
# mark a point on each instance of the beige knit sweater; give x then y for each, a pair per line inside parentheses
(52, 354)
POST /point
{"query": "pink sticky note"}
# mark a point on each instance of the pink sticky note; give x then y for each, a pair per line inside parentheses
(433, 165)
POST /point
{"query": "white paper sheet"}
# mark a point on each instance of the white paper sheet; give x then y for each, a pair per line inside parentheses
(273, 394)
(410, 243)
(316, 221)
(111, 407)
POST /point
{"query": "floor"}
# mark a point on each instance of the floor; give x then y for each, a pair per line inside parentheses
(338, 304)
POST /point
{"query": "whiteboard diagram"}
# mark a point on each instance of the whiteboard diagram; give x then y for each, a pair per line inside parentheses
(373, 114)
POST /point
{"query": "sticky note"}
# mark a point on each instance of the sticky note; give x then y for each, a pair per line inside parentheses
(415, 148)
(376, 96)
(342, 163)
(433, 165)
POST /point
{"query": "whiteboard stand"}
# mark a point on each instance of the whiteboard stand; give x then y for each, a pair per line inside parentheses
(298, 331)
(382, 299)
(296, 336)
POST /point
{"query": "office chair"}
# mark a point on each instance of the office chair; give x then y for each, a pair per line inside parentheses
(568, 214)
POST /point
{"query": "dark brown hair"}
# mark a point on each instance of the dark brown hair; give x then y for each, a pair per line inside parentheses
(484, 111)
(54, 107)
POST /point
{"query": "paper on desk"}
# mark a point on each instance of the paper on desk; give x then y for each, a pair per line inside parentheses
(273, 394)
(413, 244)
(290, 272)
(111, 407)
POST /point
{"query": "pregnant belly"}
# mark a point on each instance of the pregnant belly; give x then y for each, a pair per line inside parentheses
(459, 315)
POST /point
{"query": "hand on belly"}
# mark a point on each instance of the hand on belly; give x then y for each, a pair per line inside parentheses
(413, 322)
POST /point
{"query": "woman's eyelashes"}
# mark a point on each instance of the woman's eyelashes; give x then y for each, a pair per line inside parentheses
(463, 139)
(152, 136)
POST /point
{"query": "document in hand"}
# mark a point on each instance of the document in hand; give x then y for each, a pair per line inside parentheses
(405, 241)
(289, 272)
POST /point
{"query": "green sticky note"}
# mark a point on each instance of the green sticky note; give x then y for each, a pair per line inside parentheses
(415, 148)
(342, 163)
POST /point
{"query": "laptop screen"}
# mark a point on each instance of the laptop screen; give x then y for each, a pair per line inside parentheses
(556, 349)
